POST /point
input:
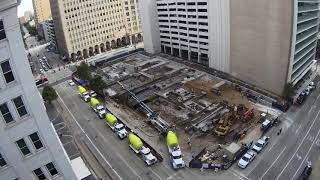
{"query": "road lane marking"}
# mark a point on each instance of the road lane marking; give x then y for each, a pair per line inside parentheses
(298, 129)
(313, 107)
(272, 146)
(273, 163)
(237, 174)
(310, 138)
(158, 176)
(314, 120)
(318, 142)
(299, 157)
(116, 173)
(306, 154)
(254, 166)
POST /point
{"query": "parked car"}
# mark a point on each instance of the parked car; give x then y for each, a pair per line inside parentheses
(305, 173)
(246, 159)
(92, 93)
(71, 83)
(260, 144)
(266, 125)
(301, 99)
(41, 82)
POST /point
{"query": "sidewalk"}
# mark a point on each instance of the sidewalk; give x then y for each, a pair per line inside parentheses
(315, 171)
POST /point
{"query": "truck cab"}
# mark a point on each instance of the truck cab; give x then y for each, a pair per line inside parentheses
(92, 93)
(148, 158)
(101, 111)
(176, 159)
(85, 96)
(120, 130)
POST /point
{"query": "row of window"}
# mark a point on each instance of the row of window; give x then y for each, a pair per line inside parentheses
(190, 16)
(185, 40)
(183, 3)
(183, 10)
(184, 22)
(50, 168)
(184, 28)
(7, 72)
(193, 17)
(24, 148)
(185, 34)
(182, 45)
(19, 106)
(2, 32)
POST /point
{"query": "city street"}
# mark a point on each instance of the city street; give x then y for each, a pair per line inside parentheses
(287, 154)
(53, 59)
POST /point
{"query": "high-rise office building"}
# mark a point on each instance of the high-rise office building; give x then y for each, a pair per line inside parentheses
(266, 43)
(85, 28)
(29, 145)
(49, 34)
(42, 10)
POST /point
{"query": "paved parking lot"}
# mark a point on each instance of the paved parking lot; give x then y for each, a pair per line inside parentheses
(63, 132)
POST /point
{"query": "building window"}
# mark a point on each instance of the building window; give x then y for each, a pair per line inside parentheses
(2, 32)
(6, 113)
(7, 72)
(39, 174)
(3, 162)
(52, 170)
(20, 106)
(36, 141)
(23, 147)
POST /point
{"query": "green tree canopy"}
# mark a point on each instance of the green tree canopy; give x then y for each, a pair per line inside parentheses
(49, 94)
(31, 29)
(288, 92)
(84, 71)
(97, 83)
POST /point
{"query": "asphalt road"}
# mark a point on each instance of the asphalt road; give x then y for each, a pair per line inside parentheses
(287, 154)
(111, 151)
(53, 59)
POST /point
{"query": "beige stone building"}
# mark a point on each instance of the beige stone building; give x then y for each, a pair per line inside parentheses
(87, 27)
(42, 10)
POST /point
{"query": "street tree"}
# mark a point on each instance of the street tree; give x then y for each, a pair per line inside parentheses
(31, 29)
(288, 92)
(97, 83)
(49, 94)
(84, 71)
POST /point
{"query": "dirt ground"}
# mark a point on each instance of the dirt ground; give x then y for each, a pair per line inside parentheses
(228, 93)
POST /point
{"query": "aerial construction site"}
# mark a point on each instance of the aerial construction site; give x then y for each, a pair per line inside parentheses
(208, 114)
